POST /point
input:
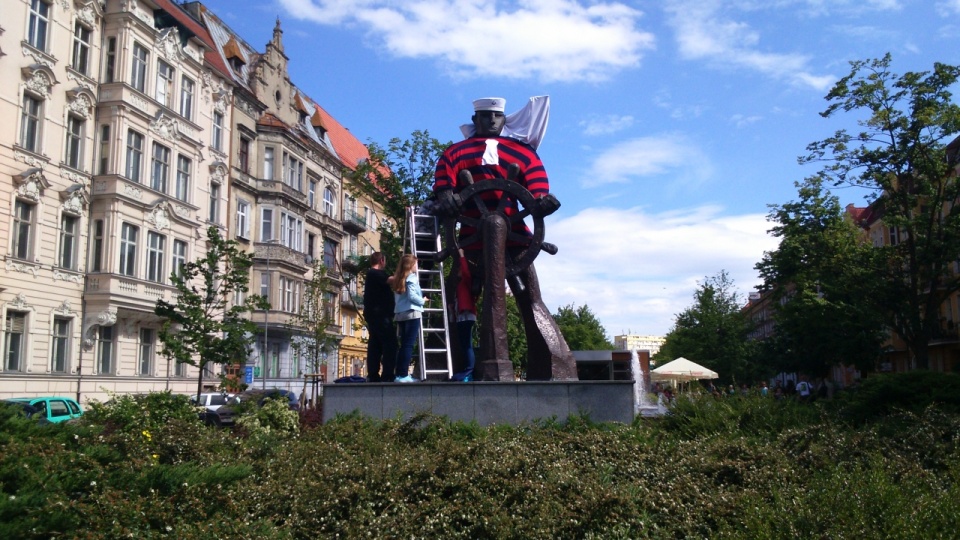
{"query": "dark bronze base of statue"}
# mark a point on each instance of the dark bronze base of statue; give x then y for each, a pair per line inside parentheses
(548, 356)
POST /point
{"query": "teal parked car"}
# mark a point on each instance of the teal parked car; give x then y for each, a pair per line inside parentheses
(54, 408)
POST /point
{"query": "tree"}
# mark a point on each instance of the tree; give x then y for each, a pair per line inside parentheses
(313, 320)
(712, 332)
(826, 283)
(901, 155)
(205, 326)
(397, 177)
(581, 329)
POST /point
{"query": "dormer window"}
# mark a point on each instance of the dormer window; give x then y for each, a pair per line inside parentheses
(231, 51)
(317, 122)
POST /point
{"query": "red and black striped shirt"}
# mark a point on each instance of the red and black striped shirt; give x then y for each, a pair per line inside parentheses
(468, 154)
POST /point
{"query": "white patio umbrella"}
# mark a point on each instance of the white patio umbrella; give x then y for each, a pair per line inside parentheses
(682, 370)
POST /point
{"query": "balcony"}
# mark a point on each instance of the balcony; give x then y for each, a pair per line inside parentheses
(277, 254)
(351, 299)
(351, 261)
(353, 222)
(276, 186)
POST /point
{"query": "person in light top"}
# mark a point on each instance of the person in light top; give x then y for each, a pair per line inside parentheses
(408, 310)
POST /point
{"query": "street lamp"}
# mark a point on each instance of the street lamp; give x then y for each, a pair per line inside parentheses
(266, 317)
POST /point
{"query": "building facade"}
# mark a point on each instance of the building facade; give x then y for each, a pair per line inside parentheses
(50, 61)
(634, 342)
(134, 126)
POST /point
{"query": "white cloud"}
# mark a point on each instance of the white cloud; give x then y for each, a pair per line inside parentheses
(559, 40)
(650, 156)
(606, 125)
(742, 121)
(636, 270)
(703, 32)
(945, 8)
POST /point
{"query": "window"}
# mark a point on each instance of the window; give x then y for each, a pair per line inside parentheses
(217, 132)
(164, 84)
(183, 177)
(60, 348)
(13, 342)
(81, 48)
(244, 155)
(179, 257)
(265, 285)
(105, 350)
(214, 202)
(311, 242)
(291, 231)
(134, 155)
(289, 295)
(97, 252)
(145, 362)
(293, 173)
(268, 163)
(23, 215)
(74, 157)
(138, 73)
(186, 97)
(156, 243)
(128, 249)
(68, 241)
(329, 254)
(329, 206)
(266, 224)
(161, 168)
(243, 219)
(180, 370)
(30, 123)
(104, 149)
(39, 20)
(894, 235)
(312, 193)
(111, 63)
(330, 306)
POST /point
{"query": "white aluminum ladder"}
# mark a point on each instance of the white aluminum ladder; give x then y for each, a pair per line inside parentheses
(423, 234)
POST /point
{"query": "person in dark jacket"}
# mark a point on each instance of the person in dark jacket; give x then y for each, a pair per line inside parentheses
(378, 304)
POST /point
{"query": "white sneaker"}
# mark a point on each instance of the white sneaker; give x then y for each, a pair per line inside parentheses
(406, 379)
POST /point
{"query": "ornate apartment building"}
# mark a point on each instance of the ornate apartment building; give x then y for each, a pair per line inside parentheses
(134, 125)
(50, 63)
(289, 205)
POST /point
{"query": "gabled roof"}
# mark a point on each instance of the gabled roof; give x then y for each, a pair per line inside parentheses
(211, 55)
(348, 147)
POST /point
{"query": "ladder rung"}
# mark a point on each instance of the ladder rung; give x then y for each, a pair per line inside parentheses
(433, 310)
(429, 271)
(435, 351)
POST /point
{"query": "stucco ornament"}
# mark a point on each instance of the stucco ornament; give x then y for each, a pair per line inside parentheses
(74, 200)
(165, 127)
(168, 44)
(39, 83)
(80, 105)
(159, 218)
(30, 184)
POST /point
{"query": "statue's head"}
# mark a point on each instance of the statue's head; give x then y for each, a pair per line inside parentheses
(488, 118)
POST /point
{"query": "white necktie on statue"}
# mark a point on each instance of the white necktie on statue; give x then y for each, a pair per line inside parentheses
(490, 155)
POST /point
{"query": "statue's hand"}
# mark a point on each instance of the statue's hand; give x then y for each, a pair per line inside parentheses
(545, 205)
(449, 202)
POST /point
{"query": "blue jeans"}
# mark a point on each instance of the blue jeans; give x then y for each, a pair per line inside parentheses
(409, 330)
(465, 335)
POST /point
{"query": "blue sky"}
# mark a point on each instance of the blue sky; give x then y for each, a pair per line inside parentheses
(674, 123)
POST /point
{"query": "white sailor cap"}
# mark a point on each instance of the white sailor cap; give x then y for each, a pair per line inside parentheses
(489, 104)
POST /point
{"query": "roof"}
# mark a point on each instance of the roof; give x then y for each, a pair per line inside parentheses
(348, 147)
(211, 55)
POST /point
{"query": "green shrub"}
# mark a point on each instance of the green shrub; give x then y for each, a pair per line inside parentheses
(141, 411)
(879, 395)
